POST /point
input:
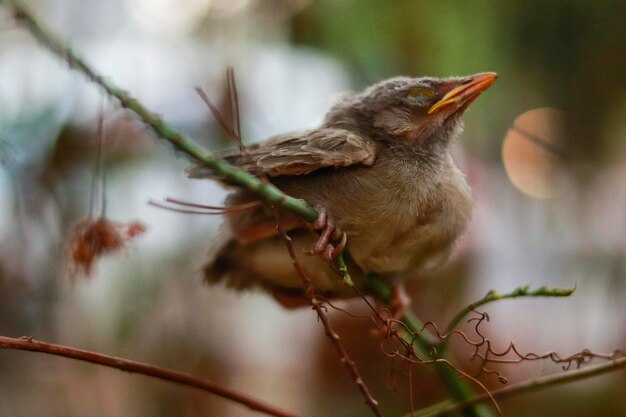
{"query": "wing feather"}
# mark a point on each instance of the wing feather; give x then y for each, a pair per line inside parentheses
(300, 153)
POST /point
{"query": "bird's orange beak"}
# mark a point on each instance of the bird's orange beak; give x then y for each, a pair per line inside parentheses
(464, 91)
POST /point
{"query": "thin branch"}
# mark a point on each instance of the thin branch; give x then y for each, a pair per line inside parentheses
(330, 332)
(228, 209)
(518, 292)
(28, 343)
(179, 140)
(528, 386)
(205, 209)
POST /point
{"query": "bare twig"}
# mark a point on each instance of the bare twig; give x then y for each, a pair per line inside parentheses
(28, 343)
(330, 332)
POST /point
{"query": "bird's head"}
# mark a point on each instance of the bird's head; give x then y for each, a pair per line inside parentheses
(411, 110)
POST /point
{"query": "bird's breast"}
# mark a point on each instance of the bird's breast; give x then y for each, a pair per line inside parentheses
(399, 215)
(408, 223)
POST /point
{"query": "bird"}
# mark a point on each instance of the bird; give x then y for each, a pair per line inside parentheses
(380, 172)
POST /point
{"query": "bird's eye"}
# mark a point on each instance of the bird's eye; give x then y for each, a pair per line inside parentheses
(421, 91)
(421, 95)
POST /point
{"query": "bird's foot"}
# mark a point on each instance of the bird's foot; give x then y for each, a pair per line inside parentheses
(329, 230)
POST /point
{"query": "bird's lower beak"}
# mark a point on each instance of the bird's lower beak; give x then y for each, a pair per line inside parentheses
(465, 91)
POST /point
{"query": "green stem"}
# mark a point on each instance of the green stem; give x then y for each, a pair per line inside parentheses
(518, 292)
(343, 270)
(426, 343)
(458, 388)
(182, 142)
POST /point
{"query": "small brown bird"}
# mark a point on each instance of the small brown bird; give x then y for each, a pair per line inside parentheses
(380, 172)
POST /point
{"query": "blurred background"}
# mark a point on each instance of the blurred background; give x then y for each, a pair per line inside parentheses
(544, 150)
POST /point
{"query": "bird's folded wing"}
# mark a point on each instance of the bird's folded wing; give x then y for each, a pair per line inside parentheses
(299, 153)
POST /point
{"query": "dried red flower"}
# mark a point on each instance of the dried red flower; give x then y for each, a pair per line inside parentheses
(95, 237)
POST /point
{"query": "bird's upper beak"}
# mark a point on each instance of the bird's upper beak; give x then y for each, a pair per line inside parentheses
(463, 91)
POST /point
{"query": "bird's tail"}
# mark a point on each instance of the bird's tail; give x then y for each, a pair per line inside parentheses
(224, 262)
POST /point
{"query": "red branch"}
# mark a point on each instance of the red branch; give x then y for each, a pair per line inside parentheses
(330, 332)
(27, 343)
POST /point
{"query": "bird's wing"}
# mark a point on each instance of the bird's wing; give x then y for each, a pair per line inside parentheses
(299, 153)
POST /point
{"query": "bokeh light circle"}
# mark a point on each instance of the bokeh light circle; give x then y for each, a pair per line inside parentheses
(532, 152)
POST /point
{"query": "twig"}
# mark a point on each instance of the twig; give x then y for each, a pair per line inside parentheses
(528, 386)
(182, 142)
(330, 332)
(28, 343)
(518, 292)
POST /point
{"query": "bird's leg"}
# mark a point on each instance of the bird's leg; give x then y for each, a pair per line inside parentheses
(329, 230)
(331, 252)
(399, 301)
(394, 310)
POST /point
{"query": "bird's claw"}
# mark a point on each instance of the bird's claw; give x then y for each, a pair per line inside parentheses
(330, 230)
(331, 252)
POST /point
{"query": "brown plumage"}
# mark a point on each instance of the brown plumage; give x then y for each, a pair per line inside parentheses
(380, 165)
